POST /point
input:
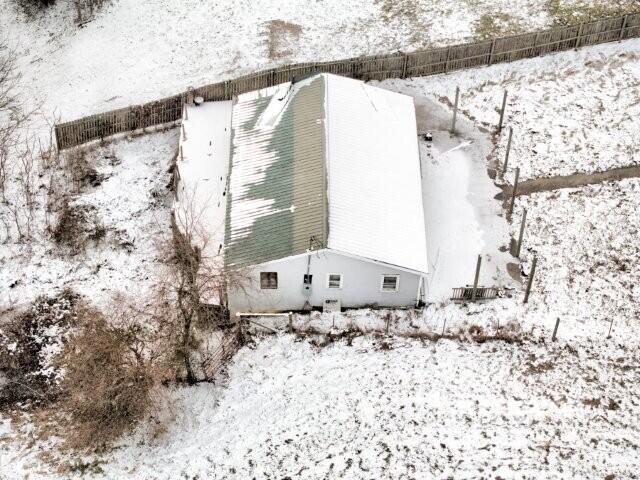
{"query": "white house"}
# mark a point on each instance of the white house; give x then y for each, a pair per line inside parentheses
(313, 189)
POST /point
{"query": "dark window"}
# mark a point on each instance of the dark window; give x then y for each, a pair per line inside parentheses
(390, 283)
(334, 280)
(307, 279)
(268, 280)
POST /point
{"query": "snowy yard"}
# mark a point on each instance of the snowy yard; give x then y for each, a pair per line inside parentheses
(570, 112)
(401, 410)
(134, 52)
(131, 207)
(587, 243)
(372, 407)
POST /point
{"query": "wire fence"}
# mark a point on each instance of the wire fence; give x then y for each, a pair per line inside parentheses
(379, 67)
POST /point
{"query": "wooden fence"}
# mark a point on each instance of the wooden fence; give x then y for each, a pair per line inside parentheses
(381, 67)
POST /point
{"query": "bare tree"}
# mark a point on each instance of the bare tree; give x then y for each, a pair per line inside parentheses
(194, 285)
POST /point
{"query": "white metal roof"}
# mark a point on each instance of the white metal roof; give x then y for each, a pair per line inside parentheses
(373, 169)
(330, 162)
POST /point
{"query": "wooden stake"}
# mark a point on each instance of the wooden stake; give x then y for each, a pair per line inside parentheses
(186, 112)
(610, 327)
(506, 157)
(524, 220)
(624, 26)
(504, 107)
(475, 280)
(530, 281)
(555, 330)
(404, 66)
(514, 193)
(455, 111)
(184, 133)
(181, 154)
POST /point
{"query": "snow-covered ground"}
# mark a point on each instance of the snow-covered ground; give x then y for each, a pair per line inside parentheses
(401, 409)
(130, 203)
(587, 245)
(570, 112)
(462, 217)
(136, 51)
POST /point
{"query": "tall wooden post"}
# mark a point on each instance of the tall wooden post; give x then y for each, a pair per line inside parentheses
(555, 330)
(184, 133)
(506, 156)
(624, 26)
(502, 110)
(520, 237)
(530, 280)
(455, 111)
(475, 280)
(404, 66)
(514, 193)
(185, 115)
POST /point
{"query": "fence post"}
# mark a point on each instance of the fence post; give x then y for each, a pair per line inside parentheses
(476, 278)
(520, 237)
(181, 155)
(493, 47)
(184, 133)
(446, 64)
(555, 330)
(514, 193)
(504, 106)
(530, 280)
(404, 66)
(506, 157)
(273, 77)
(624, 26)
(579, 35)
(455, 111)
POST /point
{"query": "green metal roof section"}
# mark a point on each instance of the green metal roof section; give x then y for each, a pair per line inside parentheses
(277, 195)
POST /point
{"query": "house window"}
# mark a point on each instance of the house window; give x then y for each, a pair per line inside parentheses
(390, 283)
(307, 279)
(334, 280)
(268, 280)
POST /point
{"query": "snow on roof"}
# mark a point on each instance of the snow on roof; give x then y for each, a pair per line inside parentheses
(331, 161)
(203, 168)
(373, 164)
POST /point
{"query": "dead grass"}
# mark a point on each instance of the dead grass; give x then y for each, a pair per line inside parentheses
(498, 24)
(564, 12)
(281, 36)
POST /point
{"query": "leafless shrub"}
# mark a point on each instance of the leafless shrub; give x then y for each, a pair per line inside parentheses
(28, 342)
(77, 226)
(108, 381)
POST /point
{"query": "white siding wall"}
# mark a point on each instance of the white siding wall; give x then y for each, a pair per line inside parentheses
(361, 284)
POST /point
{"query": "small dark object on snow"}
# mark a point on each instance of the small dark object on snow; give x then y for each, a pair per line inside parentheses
(427, 137)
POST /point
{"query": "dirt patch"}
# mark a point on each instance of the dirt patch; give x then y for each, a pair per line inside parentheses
(575, 180)
(280, 38)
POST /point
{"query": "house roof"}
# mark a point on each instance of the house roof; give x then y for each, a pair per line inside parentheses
(328, 162)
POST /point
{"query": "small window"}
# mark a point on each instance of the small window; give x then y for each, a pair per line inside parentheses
(268, 280)
(307, 279)
(390, 283)
(334, 280)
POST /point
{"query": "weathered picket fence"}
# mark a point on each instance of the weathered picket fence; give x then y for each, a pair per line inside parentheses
(379, 67)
